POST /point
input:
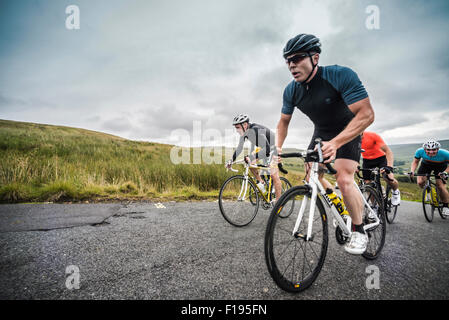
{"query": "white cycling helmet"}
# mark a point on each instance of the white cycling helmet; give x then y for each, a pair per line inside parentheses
(241, 118)
(431, 144)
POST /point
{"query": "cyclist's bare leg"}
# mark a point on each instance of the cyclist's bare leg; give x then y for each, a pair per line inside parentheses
(421, 181)
(256, 174)
(326, 184)
(274, 171)
(444, 195)
(345, 179)
(393, 184)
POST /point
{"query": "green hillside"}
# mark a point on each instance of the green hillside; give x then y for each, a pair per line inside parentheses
(53, 163)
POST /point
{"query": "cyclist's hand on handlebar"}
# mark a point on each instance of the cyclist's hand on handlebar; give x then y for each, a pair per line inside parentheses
(411, 174)
(228, 164)
(247, 159)
(386, 169)
(443, 175)
(329, 149)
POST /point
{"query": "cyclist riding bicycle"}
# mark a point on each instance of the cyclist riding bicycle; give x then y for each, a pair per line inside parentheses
(262, 138)
(335, 100)
(433, 159)
(378, 155)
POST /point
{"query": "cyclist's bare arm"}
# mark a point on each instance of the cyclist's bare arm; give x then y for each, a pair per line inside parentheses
(364, 116)
(282, 130)
(415, 163)
(388, 154)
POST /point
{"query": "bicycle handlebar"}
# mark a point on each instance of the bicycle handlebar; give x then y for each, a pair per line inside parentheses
(313, 155)
(428, 175)
(375, 170)
(257, 166)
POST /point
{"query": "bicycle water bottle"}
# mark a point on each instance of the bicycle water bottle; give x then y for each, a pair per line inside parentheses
(339, 204)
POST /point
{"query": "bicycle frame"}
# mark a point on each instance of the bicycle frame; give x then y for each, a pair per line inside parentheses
(318, 189)
(433, 188)
(244, 187)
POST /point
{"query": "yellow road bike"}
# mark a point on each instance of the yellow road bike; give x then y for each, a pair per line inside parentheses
(240, 196)
(430, 197)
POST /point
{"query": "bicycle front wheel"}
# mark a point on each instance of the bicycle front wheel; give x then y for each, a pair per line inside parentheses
(427, 206)
(294, 258)
(238, 201)
(390, 210)
(376, 235)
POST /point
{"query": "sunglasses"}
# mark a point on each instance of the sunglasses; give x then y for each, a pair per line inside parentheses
(297, 58)
(431, 150)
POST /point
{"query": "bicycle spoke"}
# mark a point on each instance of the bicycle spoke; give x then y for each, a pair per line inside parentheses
(236, 211)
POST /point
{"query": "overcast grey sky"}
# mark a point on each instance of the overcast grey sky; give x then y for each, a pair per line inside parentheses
(147, 70)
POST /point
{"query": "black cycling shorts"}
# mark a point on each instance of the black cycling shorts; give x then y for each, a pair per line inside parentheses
(371, 164)
(350, 150)
(427, 167)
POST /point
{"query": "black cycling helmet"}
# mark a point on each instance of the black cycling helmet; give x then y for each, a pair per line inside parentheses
(302, 43)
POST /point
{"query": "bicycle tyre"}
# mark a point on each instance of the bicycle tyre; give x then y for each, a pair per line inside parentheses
(427, 204)
(279, 242)
(287, 213)
(244, 215)
(389, 209)
(376, 236)
(439, 208)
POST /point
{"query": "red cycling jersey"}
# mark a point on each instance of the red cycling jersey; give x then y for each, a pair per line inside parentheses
(371, 143)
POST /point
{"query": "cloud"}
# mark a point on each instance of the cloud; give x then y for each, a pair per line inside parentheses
(142, 69)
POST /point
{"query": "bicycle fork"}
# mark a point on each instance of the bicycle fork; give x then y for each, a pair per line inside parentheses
(244, 187)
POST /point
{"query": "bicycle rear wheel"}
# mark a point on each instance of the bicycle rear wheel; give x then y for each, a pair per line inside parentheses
(439, 208)
(376, 235)
(390, 210)
(427, 206)
(286, 185)
(293, 261)
(238, 205)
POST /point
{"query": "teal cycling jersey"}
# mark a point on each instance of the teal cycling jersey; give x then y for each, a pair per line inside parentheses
(442, 156)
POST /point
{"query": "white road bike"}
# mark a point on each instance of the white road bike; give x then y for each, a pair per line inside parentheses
(296, 246)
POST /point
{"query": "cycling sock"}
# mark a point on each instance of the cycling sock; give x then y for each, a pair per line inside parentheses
(358, 228)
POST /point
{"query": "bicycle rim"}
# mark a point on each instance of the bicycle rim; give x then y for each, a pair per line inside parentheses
(439, 208)
(427, 204)
(293, 262)
(238, 212)
(376, 236)
(389, 209)
(286, 185)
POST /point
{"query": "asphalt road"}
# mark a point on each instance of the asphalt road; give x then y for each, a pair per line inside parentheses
(188, 251)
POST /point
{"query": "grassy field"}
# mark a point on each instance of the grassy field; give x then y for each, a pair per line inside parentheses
(45, 163)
